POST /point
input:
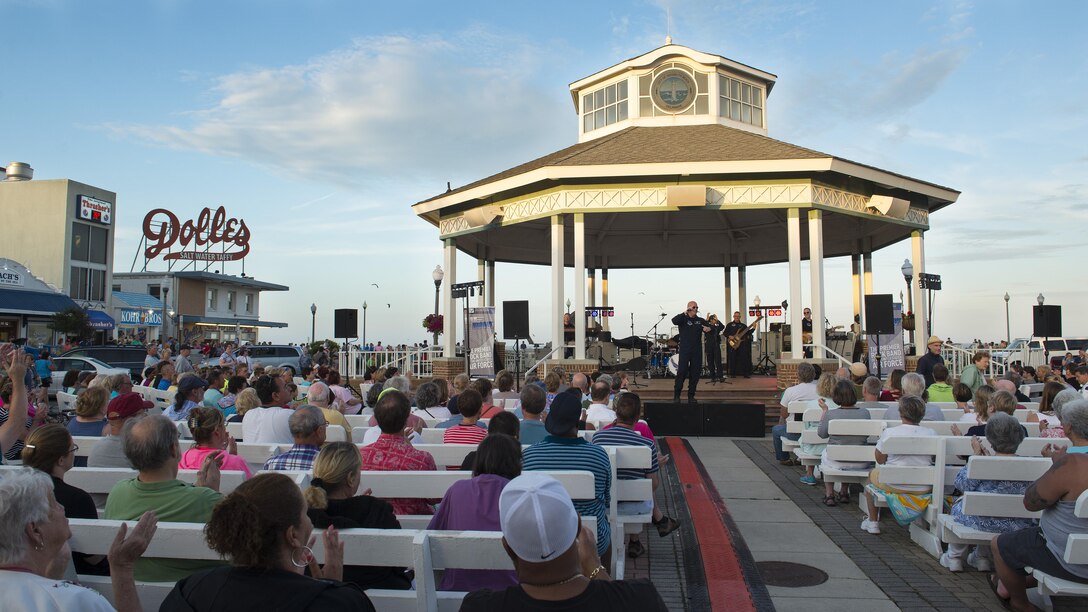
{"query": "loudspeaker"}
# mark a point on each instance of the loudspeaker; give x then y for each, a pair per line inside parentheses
(669, 419)
(515, 319)
(878, 314)
(1048, 321)
(346, 323)
(742, 420)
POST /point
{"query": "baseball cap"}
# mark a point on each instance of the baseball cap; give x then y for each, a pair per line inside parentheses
(537, 517)
(125, 405)
(189, 383)
(185, 347)
(563, 414)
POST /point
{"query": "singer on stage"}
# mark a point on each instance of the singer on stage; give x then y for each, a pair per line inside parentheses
(740, 358)
(692, 327)
(714, 348)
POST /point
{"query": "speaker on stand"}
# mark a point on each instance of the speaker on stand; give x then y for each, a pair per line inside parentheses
(515, 326)
(879, 319)
(1047, 323)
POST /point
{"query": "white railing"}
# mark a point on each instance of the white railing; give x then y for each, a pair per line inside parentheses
(543, 370)
(843, 361)
(417, 361)
(956, 359)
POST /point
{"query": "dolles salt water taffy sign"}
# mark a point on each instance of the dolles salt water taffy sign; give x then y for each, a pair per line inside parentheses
(163, 231)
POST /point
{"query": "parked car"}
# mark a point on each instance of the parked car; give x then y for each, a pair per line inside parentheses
(128, 357)
(67, 362)
(269, 356)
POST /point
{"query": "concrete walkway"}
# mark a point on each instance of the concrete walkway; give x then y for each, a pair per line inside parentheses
(776, 529)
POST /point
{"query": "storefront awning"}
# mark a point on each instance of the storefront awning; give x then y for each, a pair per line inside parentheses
(97, 319)
(34, 302)
(232, 322)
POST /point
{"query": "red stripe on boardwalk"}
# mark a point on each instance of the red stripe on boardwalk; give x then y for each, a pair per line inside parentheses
(724, 576)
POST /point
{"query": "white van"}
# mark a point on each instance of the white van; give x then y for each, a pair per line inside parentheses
(1032, 351)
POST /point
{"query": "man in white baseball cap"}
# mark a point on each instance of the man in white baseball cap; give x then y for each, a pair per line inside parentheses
(555, 557)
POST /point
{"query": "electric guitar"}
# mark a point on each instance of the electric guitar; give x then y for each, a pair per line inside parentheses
(806, 337)
(735, 340)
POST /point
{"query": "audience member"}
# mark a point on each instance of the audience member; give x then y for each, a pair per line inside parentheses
(190, 395)
(940, 390)
(90, 413)
(429, 404)
(503, 423)
(319, 395)
(308, 427)
(504, 381)
(263, 529)
(108, 451)
(846, 400)
(804, 390)
(469, 430)
(914, 384)
(533, 400)
(598, 409)
(268, 423)
(974, 374)
(209, 431)
(392, 452)
(912, 409)
(928, 361)
(1060, 400)
(214, 393)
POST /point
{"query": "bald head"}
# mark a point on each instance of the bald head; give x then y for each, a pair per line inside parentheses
(581, 381)
(1005, 385)
(150, 443)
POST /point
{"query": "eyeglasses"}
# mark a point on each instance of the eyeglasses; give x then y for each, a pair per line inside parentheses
(74, 448)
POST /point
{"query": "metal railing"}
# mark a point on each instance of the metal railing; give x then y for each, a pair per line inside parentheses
(417, 361)
(956, 359)
(541, 362)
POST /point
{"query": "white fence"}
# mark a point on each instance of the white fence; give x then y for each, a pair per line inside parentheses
(956, 359)
(354, 362)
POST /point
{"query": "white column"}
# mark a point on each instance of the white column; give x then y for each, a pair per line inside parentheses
(816, 282)
(604, 291)
(742, 288)
(557, 284)
(793, 238)
(449, 322)
(579, 293)
(921, 309)
(727, 310)
(855, 283)
(481, 275)
(490, 274)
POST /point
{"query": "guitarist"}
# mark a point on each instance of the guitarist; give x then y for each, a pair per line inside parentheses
(713, 340)
(740, 358)
(806, 332)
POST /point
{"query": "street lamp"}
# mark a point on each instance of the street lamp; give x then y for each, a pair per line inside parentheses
(437, 275)
(908, 276)
(1008, 332)
(165, 303)
(1040, 299)
(364, 325)
(756, 301)
(313, 322)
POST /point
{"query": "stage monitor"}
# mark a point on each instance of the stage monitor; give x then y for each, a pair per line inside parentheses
(1048, 321)
(346, 323)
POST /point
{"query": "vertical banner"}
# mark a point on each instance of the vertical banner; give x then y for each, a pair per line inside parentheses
(481, 342)
(891, 346)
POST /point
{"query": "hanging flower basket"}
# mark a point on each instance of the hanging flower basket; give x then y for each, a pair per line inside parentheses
(908, 322)
(433, 323)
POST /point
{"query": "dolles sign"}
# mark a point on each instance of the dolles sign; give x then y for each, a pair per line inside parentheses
(208, 228)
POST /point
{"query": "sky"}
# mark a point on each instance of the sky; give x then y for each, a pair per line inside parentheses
(320, 123)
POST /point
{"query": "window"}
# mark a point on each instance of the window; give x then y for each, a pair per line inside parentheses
(604, 107)
(230, 301)
(90, 244)
(213, 298)
(740, 101)
(116, 288)
(153, 291)
(87, 284)
(249, 302)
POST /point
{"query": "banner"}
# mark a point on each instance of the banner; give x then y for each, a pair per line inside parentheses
(891, 346)
(481, 342)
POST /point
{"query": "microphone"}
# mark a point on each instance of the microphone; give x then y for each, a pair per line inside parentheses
(663, 315)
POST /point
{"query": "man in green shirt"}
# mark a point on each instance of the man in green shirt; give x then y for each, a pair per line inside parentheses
(151, 445)
(974, 375)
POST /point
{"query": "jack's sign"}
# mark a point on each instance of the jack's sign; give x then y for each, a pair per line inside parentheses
(207, 229)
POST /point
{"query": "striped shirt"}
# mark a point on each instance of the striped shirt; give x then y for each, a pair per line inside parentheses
(464, 434)
(555, 453)
(622, 436)
(300, 457)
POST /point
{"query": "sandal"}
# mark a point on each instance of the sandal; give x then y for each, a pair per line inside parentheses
(994, 582)
(829, 501)
(843, 498)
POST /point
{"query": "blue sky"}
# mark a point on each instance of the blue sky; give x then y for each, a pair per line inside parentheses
(321, 122)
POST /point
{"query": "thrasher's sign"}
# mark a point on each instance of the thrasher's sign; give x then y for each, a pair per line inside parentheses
(163, 230)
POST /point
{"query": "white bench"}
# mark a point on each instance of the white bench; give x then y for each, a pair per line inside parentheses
(637, 490)
(851, 452)
(944, 428)
(1024, 469)
(100, 481)
(1076, 551)
(923, 531)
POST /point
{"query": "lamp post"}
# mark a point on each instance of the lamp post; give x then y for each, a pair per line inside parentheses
(364, 325)
(437, 275)
(1008, 332)
(313, 322)
(908, 276)
(1040, 299)
(165, 304)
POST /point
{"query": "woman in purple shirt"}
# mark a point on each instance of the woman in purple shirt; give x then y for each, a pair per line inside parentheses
(473, 505)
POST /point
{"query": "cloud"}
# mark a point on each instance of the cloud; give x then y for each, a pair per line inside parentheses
(390, 106)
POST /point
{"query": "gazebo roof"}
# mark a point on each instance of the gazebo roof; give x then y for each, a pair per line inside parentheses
(717, 149)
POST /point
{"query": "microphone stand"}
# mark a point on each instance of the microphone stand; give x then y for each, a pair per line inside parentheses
(653, 329)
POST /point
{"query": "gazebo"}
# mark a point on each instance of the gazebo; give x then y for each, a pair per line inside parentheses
(673, 168)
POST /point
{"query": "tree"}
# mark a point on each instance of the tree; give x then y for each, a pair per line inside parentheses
(71, 322)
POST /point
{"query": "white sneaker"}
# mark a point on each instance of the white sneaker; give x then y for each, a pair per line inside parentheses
(872, 527)
(953, 565)
(982, 564)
